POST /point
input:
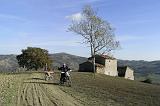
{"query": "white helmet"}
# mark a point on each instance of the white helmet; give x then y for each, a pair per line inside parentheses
(64, 64)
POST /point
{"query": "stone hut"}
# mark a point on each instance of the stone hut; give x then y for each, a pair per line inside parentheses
(104, 65)
(126, 72)
(107, 65)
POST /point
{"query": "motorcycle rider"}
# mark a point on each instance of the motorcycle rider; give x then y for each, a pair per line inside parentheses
(64, 69)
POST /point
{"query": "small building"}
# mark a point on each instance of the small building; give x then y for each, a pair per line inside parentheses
(126, 72)
(86, 67)
(107, 65)
(104, 65)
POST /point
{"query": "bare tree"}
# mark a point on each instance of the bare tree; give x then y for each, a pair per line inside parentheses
(97, 33)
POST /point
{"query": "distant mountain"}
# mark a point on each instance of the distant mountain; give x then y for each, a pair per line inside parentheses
(9, 63)
(71, 60)
(142, 67)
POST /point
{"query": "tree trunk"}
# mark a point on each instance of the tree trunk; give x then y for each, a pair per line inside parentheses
(94, 68)
(93, 60)
(93, 56)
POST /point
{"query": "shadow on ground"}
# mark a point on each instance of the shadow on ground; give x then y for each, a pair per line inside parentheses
(51, 83)
(35, 79)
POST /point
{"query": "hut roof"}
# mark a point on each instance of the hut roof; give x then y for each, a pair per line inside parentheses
(97, 65)
(103, 56)
(107, 57)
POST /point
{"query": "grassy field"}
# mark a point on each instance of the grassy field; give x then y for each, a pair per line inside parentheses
(30, 89)
(106, 90)
(9, 85)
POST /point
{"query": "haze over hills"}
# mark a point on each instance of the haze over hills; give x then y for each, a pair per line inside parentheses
(71, 60)
(9, 63)
(142, 66)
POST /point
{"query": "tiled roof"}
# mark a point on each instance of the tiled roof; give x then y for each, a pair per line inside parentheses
(98, 65)
(105, 57)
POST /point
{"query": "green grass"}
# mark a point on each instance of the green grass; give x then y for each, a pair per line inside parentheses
(99, 91)
(155, 78)
(9, 84)
(105, 90)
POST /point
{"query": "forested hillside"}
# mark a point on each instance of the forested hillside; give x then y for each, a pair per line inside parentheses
(9, 63)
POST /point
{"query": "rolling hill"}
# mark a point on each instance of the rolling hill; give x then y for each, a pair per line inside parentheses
(8, 63)
(71, 60)
(142, 68)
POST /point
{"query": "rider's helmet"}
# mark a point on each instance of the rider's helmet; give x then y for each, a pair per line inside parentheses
(64, 65)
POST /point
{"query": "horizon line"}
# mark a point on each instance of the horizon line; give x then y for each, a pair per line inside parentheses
(86, 56)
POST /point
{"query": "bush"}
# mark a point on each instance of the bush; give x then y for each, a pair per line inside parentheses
(148, 80)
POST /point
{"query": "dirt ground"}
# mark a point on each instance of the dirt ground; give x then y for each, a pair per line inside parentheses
(30, 89)
(35, 91)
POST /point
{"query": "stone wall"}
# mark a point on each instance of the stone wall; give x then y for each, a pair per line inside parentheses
(129, 74)
(111, 67)
(100, 70)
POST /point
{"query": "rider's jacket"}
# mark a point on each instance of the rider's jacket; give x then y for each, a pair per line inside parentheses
(64, 69)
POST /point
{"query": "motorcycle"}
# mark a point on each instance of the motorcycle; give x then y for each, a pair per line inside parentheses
(49, 75)
(66, 79)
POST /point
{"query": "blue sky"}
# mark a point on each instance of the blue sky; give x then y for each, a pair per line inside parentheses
(44, 23)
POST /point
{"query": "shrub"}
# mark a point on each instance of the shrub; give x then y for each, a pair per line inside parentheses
(148, 80)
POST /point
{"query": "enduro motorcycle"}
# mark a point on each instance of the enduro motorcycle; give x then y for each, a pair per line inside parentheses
(66, 80)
